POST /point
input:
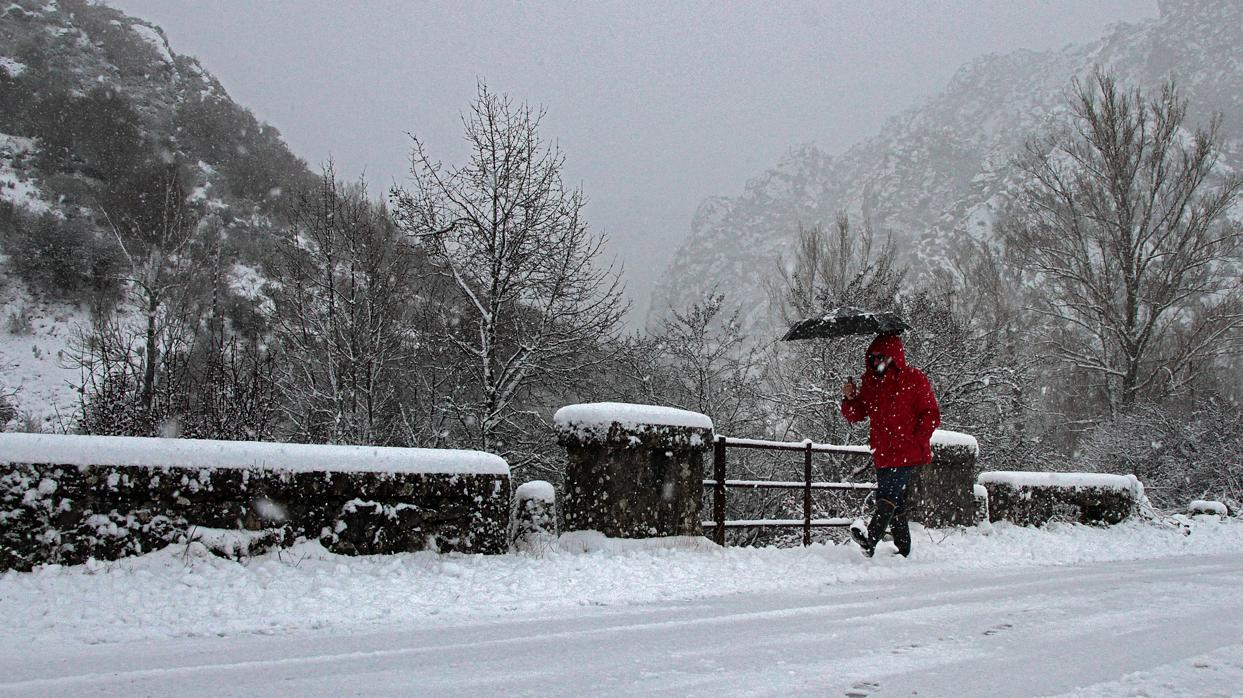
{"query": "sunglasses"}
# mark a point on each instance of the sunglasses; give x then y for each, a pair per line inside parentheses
(877, 358)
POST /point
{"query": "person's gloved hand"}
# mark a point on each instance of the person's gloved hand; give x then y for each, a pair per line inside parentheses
(849, 390)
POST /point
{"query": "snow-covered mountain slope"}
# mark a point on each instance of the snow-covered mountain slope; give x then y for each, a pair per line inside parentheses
(940, 170)
(37, 373)
(91, 101)
(77, 78)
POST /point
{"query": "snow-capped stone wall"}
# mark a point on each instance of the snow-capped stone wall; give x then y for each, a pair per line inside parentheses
(1034, 499)
(627, 423)
(943, 493)
(1210, 507)
(633, 471)
(66, 499)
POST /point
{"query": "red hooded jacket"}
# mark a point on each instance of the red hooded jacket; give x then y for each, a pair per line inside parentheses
(901, 405)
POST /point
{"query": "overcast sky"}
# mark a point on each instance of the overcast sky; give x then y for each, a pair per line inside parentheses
(656, 105)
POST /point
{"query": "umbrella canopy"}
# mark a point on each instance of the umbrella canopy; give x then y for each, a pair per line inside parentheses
(842, 322)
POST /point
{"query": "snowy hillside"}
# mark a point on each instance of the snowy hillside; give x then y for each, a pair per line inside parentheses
(90, 101)
(37, 339)
(940, 170)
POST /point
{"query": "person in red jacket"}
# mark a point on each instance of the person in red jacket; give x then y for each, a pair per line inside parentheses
(898, 400)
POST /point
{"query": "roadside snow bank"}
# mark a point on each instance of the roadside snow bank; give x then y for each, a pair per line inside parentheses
(186, 591)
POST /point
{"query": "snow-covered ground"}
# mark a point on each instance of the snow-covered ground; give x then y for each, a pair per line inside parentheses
(1136, 609)
(36, 345)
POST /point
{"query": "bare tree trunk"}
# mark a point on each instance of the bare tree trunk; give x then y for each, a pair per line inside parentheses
(151, 354)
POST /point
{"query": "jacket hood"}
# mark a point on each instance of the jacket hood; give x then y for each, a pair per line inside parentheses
(890, 345)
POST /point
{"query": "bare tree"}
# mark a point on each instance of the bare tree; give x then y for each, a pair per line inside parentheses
(980, 374)
(154, 226)
(699, 360)
(163, 362)
(509, 235)
(962, 338)
(1181, 450)
(846, 267)
(1122, 228)
(340, 317)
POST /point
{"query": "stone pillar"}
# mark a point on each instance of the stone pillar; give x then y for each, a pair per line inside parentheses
(981, 504)
(633, 471)
(943, 494)
(533, 518)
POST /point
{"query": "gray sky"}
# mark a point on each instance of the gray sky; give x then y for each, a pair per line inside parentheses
(656, 105)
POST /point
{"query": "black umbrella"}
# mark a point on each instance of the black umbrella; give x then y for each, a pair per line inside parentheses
(842, 322)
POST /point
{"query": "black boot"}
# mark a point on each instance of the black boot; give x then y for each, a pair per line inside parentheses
(885, 510)
(859, 532)
(900, 529)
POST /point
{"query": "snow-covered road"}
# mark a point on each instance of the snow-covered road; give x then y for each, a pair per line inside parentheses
(1166, 626)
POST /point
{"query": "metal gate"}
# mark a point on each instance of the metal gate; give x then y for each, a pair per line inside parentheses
(720, 485)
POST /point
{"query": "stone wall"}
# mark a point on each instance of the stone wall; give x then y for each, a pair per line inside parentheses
(943, 494)
(630, 479)
(54, 513)
(1034, 499)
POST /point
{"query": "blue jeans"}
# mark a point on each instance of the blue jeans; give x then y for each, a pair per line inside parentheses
(891, 508)
(891, 485)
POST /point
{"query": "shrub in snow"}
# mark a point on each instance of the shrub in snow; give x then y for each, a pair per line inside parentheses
(238, 544)
(66, 259)
(634, 471)
(107, 497)
(533, 517)
(8, 412)
(1181, 451)
(1033, 499)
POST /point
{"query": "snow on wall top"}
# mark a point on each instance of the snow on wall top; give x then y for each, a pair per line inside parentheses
(1208, 506)
(627, 414)
(539, 490)
(943, 437)
(66, 449)
(1070, 480)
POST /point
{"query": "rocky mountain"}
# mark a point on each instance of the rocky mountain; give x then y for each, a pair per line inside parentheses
(87, 92)
(940, 170)
(93, 104)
